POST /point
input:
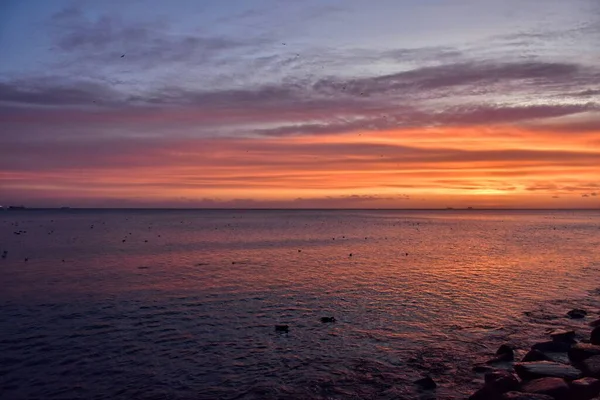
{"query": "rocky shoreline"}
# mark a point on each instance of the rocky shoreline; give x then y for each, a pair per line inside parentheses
(561, 368)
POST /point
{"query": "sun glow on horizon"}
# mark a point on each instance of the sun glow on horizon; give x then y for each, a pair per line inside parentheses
(398, 168)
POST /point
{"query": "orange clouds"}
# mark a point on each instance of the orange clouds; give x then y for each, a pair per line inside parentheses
(477, 166)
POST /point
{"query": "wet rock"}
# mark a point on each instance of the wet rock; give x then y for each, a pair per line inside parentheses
(499, 359)
(554, 387)
(327, 319)
(525, 396)
(580, 351)
(584, 389)
(551, 346)
(595, 336)
(577, 313)
(566, 336)
(501, 381)
(482, 368)
(546, 369)
(535, 355)
(426, 383)
(486, 393)
(591, 366)
(595, 323)
(282, 328)
(506, 351)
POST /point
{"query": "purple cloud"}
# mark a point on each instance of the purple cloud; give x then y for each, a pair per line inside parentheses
(480, 75)
(323, 108)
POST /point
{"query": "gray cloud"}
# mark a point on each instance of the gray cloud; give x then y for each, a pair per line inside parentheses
(98, 44)
(296, 110)
(586, 93)
(56, 93)
(483, 75)
(410, 98)
(143, 44)
(494, 114)
(411, 117)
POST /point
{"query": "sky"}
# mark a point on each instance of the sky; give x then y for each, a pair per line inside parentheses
(300, 104)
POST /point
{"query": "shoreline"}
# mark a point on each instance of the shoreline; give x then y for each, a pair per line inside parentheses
(556, 357)
(567, 366)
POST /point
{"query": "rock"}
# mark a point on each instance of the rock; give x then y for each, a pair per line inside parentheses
(580, 351)
(506, 351)
(501, 381)
(551, 346)
(282, 328)
(327, 319)
(577, 313)
(595, 336)
(591, 366)
(485, 393)
(554, 387)
(566, 336)
(426, 383)
(585, 389)
(525, 396)
(500, 359)
(595, 323)
(482, 368)
(535, 355)
(546, 369)
(561, 358)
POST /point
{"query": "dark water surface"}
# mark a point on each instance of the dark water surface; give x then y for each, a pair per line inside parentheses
(182, 304)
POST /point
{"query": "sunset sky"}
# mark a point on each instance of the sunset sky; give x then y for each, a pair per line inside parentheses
(316, 103)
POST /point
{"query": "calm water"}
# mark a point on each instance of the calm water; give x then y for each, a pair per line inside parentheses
(182, 304)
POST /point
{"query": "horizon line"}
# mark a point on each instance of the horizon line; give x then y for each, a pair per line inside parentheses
(69, 208)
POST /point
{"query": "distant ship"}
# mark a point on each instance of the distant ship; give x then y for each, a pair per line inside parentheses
(16, 208)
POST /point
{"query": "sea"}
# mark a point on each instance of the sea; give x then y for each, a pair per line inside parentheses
(183, 304)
